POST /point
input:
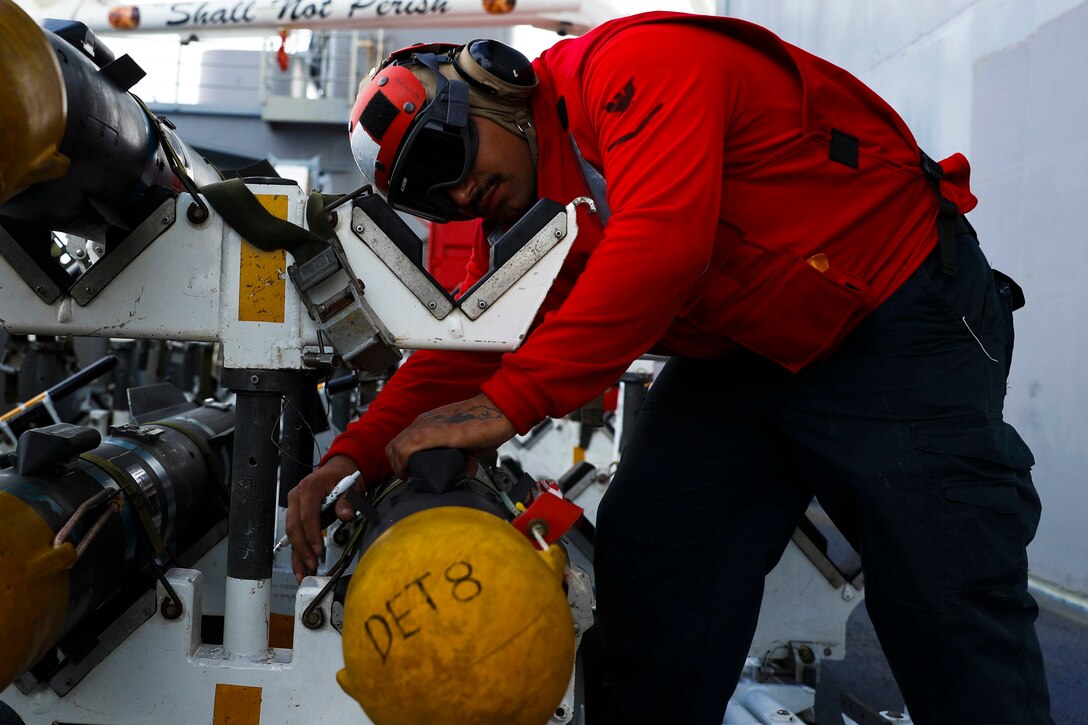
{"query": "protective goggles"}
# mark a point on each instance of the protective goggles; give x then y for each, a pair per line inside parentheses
(434, 159)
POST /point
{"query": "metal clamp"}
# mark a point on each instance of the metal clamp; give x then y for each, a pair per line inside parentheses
(482, 297)
(333, 297)
(421, 286)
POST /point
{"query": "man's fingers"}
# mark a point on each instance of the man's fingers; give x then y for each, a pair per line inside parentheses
(344, 510)
(412, 440)
(302, 559)
(301, 570)
(303, 523)
(309, 544)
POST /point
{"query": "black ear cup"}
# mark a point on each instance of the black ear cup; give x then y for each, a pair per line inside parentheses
(503, 62)
(495, 69)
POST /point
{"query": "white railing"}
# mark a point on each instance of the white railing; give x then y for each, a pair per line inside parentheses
(320, 77)
(328, 68)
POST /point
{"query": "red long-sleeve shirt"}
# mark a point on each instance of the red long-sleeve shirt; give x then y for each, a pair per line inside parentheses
(713, 141)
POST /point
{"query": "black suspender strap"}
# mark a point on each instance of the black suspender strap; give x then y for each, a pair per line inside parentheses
(844, 148)
(947, 215)
(946, 235)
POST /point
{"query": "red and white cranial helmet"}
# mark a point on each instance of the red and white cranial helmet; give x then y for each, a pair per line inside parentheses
(410, 130)
(390, 102)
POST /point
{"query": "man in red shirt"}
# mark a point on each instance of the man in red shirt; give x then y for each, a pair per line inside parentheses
(835, 330)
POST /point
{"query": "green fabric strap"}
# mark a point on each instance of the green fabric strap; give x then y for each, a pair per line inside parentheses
(135, 496)
(240, 209)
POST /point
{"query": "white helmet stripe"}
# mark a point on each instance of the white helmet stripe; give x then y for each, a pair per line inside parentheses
(365, 150)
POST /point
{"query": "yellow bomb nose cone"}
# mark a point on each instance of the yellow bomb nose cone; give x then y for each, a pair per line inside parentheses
(33, 587)
(33, 112)
(453, 617)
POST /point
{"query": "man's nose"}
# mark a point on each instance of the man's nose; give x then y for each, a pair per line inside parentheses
(462, 195)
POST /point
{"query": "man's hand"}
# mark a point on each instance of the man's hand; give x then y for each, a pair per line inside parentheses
(472, 425)
(304, 512)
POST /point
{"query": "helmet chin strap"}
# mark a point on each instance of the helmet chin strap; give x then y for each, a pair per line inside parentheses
(524, 119)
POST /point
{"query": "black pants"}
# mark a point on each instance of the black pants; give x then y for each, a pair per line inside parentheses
(900, 437)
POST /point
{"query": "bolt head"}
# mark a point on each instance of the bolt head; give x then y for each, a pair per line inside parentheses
(254, 379)
(481, 304)
(314, 619)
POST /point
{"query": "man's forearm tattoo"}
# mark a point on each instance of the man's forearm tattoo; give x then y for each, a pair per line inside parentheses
(477, 412)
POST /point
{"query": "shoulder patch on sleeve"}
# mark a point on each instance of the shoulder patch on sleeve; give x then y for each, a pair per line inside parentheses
(622, 100)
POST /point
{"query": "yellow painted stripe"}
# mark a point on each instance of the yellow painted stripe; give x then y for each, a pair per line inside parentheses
(262, 288)
(579, 454)
(237, 705)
